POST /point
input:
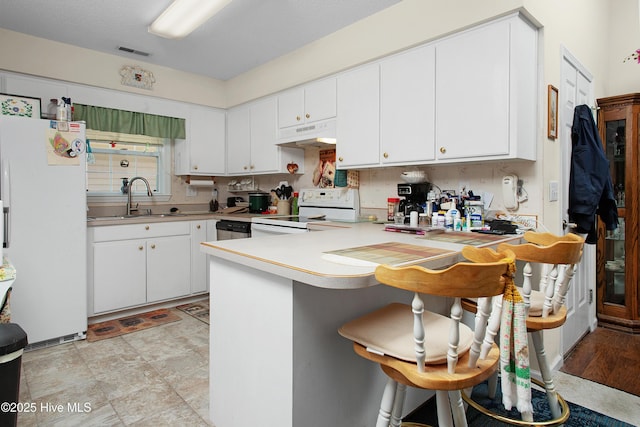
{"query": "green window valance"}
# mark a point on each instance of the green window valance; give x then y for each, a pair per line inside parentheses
(121, 121)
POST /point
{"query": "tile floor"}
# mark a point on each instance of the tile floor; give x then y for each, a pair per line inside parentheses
(159, 377)
(154, 377)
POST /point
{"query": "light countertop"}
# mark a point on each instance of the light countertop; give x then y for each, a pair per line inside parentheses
(303, 257)
(183, 216)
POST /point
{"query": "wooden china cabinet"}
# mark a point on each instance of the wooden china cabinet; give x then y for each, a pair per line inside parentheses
(618, 251)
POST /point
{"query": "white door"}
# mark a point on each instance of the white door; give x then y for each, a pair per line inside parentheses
(576, 89)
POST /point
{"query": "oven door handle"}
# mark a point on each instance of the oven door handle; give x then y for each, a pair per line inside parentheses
(275, 229)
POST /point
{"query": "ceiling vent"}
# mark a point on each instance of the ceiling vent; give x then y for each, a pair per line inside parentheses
(129, 50)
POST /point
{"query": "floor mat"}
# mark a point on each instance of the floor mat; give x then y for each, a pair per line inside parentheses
(117, 327)
(579, 415)
(199, 310)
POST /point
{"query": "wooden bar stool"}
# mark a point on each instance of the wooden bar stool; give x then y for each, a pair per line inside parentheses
(555, 258)
(427, 350)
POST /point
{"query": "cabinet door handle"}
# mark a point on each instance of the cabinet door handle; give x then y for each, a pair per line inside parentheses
(308, 115)
(146, 227)
(245, 168)
(297, 118)
(443, 150)
(340, 158)
(195, 168)
(140, 248)
(198, 226)
(385, 155)
(153, 246)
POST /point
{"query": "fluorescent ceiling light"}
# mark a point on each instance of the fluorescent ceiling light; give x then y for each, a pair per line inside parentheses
(184, 16)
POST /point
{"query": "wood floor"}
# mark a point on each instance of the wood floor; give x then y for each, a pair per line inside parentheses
(607, 357)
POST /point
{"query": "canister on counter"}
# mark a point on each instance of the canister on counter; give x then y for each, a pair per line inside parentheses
(424, 220)
(392, 207)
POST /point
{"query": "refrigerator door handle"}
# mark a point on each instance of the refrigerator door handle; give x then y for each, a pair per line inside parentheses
(6, 201)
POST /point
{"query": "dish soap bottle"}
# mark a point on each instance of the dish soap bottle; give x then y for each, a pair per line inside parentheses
(294, 204)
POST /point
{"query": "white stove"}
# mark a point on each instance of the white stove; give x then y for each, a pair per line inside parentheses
(314, 205)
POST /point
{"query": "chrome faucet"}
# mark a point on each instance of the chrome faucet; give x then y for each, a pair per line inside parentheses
(130, 190)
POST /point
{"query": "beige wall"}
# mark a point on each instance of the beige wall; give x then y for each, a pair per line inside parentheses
(32, 55)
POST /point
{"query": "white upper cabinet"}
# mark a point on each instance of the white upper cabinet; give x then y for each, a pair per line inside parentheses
(251, 140)
(486, 86)
(310, 103)
(264, 132)
(238, 140)
(407, 107)
(203, 151)
(358, 117)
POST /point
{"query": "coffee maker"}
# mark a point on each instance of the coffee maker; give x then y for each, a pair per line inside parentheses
(414, 197)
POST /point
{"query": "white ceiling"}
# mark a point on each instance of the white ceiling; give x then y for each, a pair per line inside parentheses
(244, 35)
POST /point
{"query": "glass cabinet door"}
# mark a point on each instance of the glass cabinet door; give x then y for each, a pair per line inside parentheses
(614, 250)
(618, 251)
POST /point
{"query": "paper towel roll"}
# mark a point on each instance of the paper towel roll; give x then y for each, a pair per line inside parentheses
(201, 182)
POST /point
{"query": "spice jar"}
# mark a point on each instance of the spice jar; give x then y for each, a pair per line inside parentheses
(392, 207)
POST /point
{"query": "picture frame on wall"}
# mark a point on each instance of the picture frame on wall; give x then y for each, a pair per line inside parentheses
(20, 106)
(552, 112)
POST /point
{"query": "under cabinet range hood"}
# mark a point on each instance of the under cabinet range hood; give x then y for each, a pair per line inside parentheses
(321, 134)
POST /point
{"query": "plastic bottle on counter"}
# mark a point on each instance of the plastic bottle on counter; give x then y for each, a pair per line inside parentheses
(61, 112)
(294, 204)
(452, 220)
(413, 219)
(392, 207)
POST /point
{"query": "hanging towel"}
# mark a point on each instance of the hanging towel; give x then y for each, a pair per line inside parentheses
(514, 350)
(590, 185)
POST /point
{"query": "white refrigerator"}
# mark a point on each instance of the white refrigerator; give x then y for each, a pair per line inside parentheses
(42, 188)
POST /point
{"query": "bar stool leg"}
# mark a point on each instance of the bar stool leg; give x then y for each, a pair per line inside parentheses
(492, 385)
(387, 403)
(444, 409)
(457, 408)
(552, 397)
(398, 403)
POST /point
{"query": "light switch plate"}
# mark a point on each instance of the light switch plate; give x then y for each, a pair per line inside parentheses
(553, 191)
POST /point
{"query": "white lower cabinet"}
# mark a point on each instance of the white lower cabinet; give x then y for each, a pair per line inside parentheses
(137, 264)
(199, 267)
(168, 267)
(119, 275)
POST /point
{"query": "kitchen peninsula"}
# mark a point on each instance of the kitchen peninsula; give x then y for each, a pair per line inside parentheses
(276, 304)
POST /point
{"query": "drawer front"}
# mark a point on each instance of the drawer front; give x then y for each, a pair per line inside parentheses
(139, 231)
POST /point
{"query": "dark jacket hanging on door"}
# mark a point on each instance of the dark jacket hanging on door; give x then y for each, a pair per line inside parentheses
(590, 186)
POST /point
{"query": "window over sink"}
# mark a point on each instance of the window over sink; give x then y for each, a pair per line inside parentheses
(115, 156)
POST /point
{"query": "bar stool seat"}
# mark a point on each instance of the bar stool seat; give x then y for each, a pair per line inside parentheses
(427, 350)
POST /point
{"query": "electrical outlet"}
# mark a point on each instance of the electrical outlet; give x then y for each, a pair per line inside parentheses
(553, 191)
